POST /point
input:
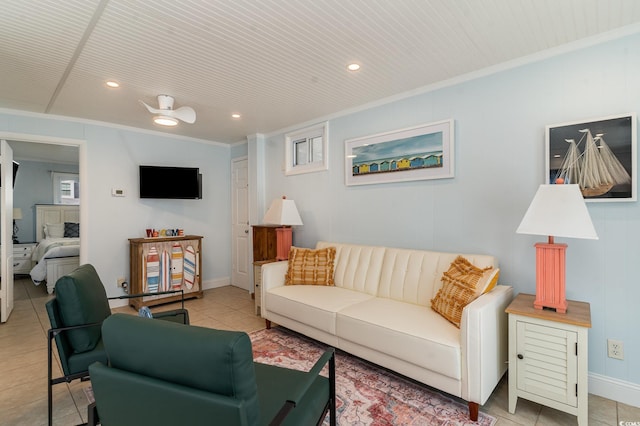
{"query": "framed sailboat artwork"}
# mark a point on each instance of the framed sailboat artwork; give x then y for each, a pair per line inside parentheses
(599, 155)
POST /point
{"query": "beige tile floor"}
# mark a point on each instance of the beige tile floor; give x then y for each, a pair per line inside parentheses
(23, 370)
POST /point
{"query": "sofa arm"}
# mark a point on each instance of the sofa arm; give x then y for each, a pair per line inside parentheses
(484, 343)
(273, 274)
(272, 277)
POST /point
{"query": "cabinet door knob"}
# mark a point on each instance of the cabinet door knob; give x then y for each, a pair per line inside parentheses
(520, 356)
(246, 231)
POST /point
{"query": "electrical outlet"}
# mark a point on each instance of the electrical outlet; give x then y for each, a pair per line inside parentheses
(121, 281)
(615, 349)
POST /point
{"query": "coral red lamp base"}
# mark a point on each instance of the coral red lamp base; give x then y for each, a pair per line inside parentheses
(284, 239)
(550, 277)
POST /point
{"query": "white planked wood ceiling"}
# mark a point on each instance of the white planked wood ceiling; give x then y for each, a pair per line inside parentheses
(276, 62)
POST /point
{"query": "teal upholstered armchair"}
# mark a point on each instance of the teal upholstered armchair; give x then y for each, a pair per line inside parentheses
(76, 315)
(161, 373)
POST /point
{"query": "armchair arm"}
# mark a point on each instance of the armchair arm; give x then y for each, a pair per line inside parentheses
(177, 315)
(134, 296)
(303, 387)
(484, 343)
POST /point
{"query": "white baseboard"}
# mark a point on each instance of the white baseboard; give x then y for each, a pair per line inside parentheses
(615, 389)
(218, 282)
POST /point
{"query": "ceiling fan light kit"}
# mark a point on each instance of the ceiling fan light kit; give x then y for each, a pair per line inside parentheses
(167, 116)
(163, 120)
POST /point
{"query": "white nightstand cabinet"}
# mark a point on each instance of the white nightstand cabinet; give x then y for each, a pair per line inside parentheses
(257, 283)
(22, 263)
(548, 356)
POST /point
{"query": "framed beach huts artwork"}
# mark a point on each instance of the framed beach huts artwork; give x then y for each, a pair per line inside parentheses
(599, 155)
(416, 153)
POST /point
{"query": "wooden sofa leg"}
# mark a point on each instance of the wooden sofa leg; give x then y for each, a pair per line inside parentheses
(473, 411)
(268, 324)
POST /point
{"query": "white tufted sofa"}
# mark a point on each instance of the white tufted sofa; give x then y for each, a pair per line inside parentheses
(380, 310)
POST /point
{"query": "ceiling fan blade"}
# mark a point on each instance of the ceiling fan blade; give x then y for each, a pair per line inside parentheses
(152, 110)
(185, 113)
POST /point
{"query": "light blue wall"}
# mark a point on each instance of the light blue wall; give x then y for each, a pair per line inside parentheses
(499, 152)
(112, 159)
(239, 150)
(33, 186)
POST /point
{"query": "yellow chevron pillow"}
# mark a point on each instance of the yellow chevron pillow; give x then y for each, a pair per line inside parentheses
(310, 267)
(462, 284)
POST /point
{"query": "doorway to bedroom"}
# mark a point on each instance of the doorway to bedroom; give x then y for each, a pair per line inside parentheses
(48, 173)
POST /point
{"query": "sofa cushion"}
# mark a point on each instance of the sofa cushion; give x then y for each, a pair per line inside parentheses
(310, 267)
(406, 331)
(414, 276)
(357, 267)
(316, 306)
(462, 284)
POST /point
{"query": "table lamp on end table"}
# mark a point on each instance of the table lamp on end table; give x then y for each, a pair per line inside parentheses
(283, 212)
(556, 211)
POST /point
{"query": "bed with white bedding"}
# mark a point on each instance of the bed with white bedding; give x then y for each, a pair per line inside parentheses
(58, 249)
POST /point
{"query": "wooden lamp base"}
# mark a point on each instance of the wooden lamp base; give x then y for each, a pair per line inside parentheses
(550, 276)
(284, 240)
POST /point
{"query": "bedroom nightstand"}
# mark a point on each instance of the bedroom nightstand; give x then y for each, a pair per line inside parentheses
(548, 356)
(22, 262)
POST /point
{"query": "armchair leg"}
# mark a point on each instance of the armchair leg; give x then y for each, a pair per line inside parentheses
(473, 411)
(92, 414)
(332, 391)
(49, 384)
(267, 324)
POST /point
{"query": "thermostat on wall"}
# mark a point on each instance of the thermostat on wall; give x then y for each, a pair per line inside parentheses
(117, 192)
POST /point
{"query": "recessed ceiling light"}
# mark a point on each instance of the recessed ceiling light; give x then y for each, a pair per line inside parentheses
(112, 83)
(353, 67)
(163, 120)
(236, 115)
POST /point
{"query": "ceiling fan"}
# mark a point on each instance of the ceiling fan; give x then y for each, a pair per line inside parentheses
(167, 116)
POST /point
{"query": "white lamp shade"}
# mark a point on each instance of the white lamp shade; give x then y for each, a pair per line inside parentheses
(17, 213)
(558, 211)
(282, 212)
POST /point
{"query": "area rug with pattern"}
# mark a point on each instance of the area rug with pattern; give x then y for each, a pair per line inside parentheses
(365, 394)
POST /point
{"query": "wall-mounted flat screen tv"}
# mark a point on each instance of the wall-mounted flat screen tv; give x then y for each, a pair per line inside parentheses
(170, 182)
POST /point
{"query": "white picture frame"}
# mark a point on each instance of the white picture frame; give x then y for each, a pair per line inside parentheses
(414, 153)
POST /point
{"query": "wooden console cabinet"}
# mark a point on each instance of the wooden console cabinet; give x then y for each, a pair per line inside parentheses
(174, 264)
(265, 242)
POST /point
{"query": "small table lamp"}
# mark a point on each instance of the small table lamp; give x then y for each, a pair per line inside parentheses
(556, 210)
(17, 215)
(283, 212)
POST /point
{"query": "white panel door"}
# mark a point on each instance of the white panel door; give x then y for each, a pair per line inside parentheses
(6, 230)
(240, 275)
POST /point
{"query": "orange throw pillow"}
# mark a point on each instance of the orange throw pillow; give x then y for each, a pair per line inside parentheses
(310, 267)
(462, 284)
